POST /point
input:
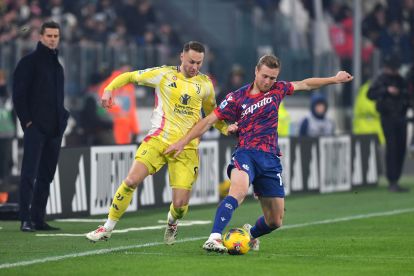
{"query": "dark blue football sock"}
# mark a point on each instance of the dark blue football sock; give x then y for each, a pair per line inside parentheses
(261, 228)
(223, 214)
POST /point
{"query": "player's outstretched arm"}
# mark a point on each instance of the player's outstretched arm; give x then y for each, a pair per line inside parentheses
(315, 83)
(119, 81)
(199, 129)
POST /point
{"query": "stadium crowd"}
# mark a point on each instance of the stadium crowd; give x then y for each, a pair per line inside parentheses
(115, 23)
(387, 26)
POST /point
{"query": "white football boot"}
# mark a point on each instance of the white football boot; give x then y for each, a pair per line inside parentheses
(100, 234)
(170, 234)
(215, 245)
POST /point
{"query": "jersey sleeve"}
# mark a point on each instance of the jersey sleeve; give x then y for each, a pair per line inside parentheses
(209, 103)
(227, 110)
(285, 86)
(121, 80)
(150, 77)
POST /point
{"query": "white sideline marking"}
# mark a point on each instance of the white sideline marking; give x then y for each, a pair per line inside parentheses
(126, 230)
(81, 220)
(120, 248)
(327, 221)
(338, 256)
(89, 253)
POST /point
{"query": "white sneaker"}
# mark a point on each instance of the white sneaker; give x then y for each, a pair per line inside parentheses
(215, 245)
(170, 233)
(254, 243)
(100, 234)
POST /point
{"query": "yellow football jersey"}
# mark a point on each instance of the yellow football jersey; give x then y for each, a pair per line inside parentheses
(178, 101)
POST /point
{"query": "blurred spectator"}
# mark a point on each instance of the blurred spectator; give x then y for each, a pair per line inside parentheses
(139, 18)
(107, 9)
(264, 11)
(118, 38)
(300, 21)
(283, 127)
(7, 132)
(342, 39)
(54, 9)
(390, 93)
(169, 37)
(96, 123)
(23, 10)
(316, 123)
(366, 117)
(123, 113)
(393, 41)
(4, 95)
(235, 80)
(8, 28)
(402, 11)
(100, 31)
(149, 39)
(35, 8)
(374, 23)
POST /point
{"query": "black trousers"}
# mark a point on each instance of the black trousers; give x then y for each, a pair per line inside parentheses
(40, 158)
(6, 157)
(395, 132)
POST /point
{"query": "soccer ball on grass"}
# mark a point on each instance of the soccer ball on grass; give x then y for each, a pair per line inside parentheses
(237, 241)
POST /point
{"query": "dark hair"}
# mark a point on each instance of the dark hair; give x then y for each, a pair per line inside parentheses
(392, 61)
(49, 25)
(194, 45)
(270, 61)
(378, 7)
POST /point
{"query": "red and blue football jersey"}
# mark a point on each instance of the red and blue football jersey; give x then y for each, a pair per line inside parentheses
(256, 115)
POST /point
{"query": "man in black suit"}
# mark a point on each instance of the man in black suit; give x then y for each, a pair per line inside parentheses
(38, 95)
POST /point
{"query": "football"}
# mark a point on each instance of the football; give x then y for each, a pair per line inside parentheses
(237, 241)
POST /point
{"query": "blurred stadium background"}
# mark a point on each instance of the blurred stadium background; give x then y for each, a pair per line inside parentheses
(312, 37)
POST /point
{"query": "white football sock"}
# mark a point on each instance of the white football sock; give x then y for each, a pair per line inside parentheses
(171, 219)
(110, 224)
(215, 236)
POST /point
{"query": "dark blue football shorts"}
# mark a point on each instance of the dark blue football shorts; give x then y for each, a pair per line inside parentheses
(264, 170)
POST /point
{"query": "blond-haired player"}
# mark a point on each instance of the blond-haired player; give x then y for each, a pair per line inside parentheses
(181, 92)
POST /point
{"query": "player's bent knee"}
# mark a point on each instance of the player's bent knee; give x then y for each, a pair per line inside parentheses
(274, 224)
(131, 182)
(239, 196)
(178, 203)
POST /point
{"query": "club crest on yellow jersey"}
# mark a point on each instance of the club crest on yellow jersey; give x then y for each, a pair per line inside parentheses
(185, 99)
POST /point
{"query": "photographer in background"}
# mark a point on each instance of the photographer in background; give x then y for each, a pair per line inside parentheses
(389, 90)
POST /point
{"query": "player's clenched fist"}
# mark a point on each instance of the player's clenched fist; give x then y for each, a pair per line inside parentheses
(343, 76)
(107, 99)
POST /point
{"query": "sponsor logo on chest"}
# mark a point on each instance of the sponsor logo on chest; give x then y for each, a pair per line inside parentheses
(251, 109)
